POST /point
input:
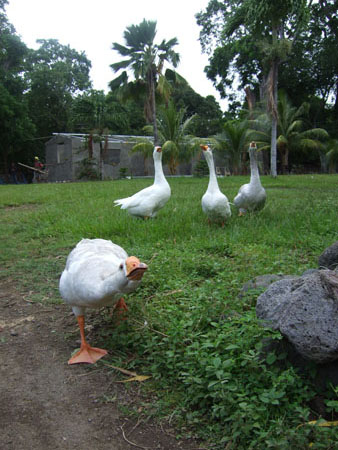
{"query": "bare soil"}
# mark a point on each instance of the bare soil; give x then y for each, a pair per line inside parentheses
(46, 404)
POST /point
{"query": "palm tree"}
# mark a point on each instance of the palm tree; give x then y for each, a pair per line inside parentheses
(332, 154)
(293, 132)
(178, 145)
(233, 142)
(173, 134)
(144, 146)
(145, 59)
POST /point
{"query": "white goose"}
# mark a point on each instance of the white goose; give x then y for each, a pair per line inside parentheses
(251, 196)
(214, 203)
(97, 274)
(147, 202)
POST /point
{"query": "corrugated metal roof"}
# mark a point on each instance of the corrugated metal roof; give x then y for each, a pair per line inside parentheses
(117, 138)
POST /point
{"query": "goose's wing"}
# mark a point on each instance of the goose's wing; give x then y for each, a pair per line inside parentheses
(260, 198)
(87, 248)
(241, 197)
(134, 200)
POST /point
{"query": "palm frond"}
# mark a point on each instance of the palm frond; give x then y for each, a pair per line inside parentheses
(164, 88)
(121, 49)
(121, 65)
(118, 81)
(143, 146)
(316, 133)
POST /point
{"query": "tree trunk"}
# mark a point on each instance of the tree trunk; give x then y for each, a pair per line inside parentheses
(90, 146)
(153, 108)
(323, 162)
(103, 154)
(251, 100)
(272, 106)
(284, 152)
(273, 151)
(172, 165)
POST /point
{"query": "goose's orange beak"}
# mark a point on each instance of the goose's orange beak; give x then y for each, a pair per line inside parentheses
(135, 269)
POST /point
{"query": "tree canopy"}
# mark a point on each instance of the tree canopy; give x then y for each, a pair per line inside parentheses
(146, 61)
(254, 46)
(16, 125)
(55, 74)
(253, 37)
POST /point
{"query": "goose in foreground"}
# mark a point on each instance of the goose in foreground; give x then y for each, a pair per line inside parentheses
(251, 196)
(147, 202)
(97, 274)
(214, 203)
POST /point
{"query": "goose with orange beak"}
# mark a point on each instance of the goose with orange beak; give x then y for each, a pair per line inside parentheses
(251, 196)
(98, 273)
(147, 202)
(215, 204)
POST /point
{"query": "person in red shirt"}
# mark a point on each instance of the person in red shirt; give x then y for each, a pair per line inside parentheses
(38, 165)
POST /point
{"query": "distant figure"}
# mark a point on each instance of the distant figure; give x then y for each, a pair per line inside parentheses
(21, 176)
(38, 165)
(13, 172)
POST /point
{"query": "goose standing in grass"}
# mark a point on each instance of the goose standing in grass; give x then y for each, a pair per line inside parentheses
(214, 203)
(251, 196)
(97, 274)
(149, 201)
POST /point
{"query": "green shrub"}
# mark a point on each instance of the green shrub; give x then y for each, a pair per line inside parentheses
(201, 169)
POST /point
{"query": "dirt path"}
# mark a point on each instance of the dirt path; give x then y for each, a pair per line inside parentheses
(46, 404)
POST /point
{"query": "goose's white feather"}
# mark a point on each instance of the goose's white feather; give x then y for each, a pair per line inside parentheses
(148, 201)
(214, 203)
(95, 275)
(251, 196)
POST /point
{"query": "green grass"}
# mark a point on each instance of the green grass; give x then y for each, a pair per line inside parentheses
(187, 326)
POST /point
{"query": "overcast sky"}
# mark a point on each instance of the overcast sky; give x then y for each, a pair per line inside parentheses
(92, 27)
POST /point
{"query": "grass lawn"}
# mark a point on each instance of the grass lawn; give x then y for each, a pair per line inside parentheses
(188, 327)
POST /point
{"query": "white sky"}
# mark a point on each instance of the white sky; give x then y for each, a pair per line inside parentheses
(92, 27)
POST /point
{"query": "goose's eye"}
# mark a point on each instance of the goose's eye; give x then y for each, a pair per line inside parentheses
(121, 266)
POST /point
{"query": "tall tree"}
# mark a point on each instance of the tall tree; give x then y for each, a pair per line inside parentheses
(56, 74)
(294, 132)
(253, 38)
(311, 66)
(16, 128)
(174, 135)
(332, 155)
(146, 60)
(96, 110)
(232, 143)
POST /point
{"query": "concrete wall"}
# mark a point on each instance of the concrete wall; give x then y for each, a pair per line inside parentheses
(66, 154)
(59, 157)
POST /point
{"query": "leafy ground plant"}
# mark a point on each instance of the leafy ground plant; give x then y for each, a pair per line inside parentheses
(188, 326)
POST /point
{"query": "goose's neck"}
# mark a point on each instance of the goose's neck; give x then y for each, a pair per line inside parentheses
(159, 175)
(254, 178)
(213, 184)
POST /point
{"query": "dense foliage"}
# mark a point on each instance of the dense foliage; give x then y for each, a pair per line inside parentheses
(254, 48)
(269, 44)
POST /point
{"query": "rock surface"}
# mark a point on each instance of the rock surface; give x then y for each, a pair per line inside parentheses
(329, 258)
(305, 311)
(263, 281)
